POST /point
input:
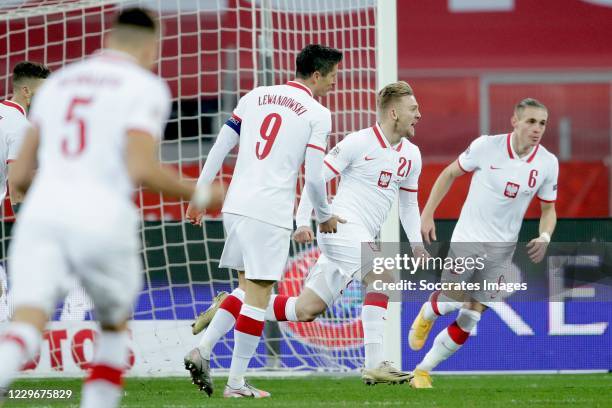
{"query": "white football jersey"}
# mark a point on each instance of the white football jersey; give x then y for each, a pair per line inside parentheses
(83, 113)
(276, 124)
(502, 188)
(13, 126)
(373, 172)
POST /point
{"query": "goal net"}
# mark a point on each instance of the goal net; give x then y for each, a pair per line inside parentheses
(211, 53)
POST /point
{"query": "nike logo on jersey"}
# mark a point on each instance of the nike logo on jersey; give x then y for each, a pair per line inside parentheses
(495, 168)
(369, 158)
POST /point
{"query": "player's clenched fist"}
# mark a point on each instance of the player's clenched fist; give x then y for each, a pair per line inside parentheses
(194, 214)
(536, 249)
(303, 235)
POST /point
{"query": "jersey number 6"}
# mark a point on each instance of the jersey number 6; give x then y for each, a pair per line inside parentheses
(73, 151)
(268, 131)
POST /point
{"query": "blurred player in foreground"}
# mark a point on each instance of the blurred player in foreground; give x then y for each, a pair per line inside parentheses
(97, 124)
(376, 164)
(509, 170)
(27, 78)
(277, 129)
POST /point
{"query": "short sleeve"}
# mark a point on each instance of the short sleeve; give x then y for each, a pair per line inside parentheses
(150, 113)
(14, 141)
(321, 128)
(342, 154)
(473, 157)
(548, 190)
(412, 181)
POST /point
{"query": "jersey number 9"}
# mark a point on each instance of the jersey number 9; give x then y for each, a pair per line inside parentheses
(268, 132)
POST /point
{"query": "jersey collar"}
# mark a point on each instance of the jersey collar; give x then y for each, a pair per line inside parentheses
(384, 143)
(297, 85)
(14, 105)
(528, 158)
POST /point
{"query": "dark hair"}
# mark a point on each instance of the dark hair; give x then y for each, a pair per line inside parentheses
(315, 57)
(29, 70)
(528, 102)
(136, 17)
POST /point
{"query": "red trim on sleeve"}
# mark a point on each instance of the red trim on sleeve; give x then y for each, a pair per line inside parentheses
(461, 167)
(546, 201)
(336, 172)
(529, 160)
(509, 146)
(14, 105)
(236, 117)
(300, 86)
(315, 147)
(409, 189)
(9, 161)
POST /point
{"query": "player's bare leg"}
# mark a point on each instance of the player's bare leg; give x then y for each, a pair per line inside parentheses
(103, 386)
(20, 342)
(247, 333)
(439, 304)
(373, 313)
(218, 319)
(447, 342)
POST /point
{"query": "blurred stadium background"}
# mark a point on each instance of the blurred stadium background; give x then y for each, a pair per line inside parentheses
(469, 62)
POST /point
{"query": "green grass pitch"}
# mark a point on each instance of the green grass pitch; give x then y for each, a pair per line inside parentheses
(582, 390)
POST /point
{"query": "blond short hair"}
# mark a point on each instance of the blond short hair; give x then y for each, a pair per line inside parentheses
(528, 102)
(391, 93)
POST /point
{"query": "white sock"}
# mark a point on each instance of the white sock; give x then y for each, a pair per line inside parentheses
(224, 320)
(450, 339)
(373, 316)
(103, 386)
(18, 344)
(281, 308)
(247, 334)
(438, 305)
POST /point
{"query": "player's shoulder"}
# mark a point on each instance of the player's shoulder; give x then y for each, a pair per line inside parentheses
(501, 138)
(410, 147)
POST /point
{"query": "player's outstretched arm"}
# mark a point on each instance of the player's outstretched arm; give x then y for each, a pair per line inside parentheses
(227, 139)
(21, 171)
(304, 233)
(317, 192)
(145, 169)
(536, 248)
(411, 221)
(440, 188)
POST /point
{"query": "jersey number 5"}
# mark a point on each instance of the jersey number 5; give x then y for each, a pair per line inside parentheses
(268, 132)
(71, 149)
